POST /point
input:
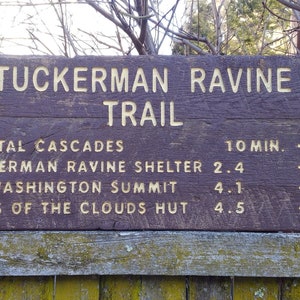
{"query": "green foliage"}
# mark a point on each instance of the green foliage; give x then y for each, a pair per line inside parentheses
(255, 30)
(246, 27)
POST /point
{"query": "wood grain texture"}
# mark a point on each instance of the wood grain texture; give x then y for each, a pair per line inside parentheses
(142, 287)
(291, 289)
(261, 198)
(134, 287)
(257, 288)
(164, 287)
(150, 253)
(213, 144)
(76, 287)
(120, 287)
(209, 288)
(25, 288)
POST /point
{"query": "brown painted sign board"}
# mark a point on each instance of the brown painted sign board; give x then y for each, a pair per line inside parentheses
(160, 143)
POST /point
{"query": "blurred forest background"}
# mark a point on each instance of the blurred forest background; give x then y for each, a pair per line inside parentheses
(149, 27)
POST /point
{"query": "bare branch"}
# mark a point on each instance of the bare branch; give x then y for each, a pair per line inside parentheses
(121, 23)
(186, 36)
(289, 4)
(169, 23)
(101, 41)
(35, 38)
(104, 13)
(143, 11)
(126, 28)
(193, 46)
(276, 15)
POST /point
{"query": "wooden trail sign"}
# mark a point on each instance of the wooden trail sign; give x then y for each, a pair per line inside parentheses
(206, 143)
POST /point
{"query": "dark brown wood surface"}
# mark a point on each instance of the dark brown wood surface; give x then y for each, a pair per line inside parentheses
(224, 156)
